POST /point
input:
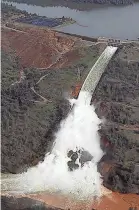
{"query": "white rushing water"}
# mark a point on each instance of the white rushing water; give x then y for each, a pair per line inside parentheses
(97, 70)
(78, 131)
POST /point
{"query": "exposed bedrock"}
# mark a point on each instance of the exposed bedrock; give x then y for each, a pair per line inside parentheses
(81, 155)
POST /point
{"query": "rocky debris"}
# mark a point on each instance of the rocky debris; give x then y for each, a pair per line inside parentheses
(81, 155)
(23, 203)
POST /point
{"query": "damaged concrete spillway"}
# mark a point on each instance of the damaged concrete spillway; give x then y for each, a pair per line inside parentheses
(96, 72)
(78, 134)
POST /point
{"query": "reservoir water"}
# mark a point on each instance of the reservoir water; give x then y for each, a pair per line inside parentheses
(112, 21)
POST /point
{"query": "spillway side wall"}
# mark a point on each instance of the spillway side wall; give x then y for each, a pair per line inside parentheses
(97, 71)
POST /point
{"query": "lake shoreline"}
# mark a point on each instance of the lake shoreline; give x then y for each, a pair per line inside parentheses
(113, 22)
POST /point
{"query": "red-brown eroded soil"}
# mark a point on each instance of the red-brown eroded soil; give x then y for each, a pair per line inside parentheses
(118, 202)
(38, 48)
(113, 201)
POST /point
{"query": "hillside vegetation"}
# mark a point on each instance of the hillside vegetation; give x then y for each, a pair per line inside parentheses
(29, 122)
(76, 4)
(118, 97)
(26, 125)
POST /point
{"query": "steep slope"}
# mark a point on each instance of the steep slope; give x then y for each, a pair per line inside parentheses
(28, 122)
(117, 97)
(38, 48)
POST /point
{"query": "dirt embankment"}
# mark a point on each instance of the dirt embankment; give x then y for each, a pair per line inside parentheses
(40, 48)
